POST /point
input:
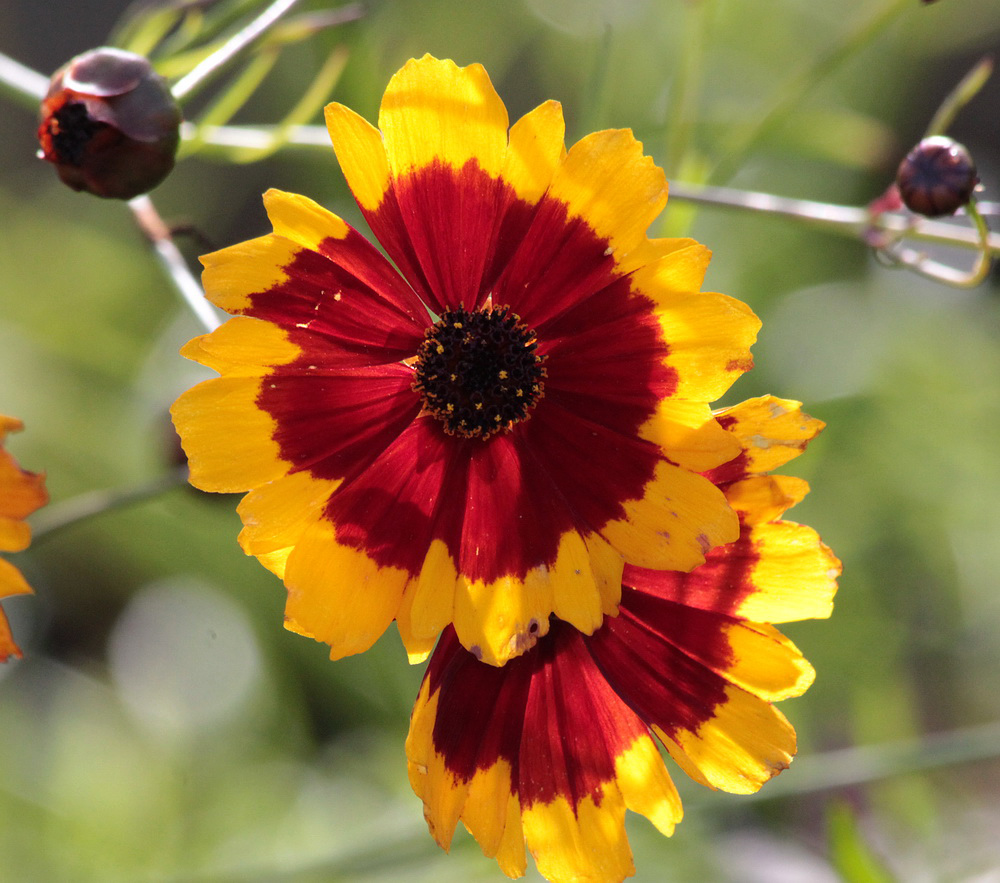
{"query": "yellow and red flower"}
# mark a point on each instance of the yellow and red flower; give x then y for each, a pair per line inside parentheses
(21, 493)
(486, 436)
(552, 748)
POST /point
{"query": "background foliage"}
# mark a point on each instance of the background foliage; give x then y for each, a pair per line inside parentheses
(163, 726)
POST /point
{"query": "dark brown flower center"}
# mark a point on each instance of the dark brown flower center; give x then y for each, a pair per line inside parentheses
(478, 372)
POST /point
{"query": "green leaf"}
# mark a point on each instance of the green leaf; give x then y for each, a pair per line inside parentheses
(852, 857)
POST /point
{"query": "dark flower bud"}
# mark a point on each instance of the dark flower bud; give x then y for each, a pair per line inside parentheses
(109, 124)
(937, 177)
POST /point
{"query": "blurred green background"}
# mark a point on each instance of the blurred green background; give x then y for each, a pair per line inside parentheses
(163, 725)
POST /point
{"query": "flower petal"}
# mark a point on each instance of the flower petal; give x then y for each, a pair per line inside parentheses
(538, 751)
(228, 440)
(338, 594)
(771, 432)
(436, 112)
(361, 154)
(746, 742)
(609, 183)
(275, 515)
(677, 520)
(534, 151)
(776, 572)
(11, 583)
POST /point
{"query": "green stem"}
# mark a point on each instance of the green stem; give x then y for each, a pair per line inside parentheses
(25, 86)
(59, 516)
(739, 147)
(239, 41)
(961, 95)
(847, 220)
(871, 763)
(186, 285)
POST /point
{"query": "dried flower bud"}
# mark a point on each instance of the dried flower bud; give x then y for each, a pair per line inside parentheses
(937, 177)
(109, 124)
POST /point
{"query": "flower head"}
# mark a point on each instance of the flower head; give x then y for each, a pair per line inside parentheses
(551, 749)
(484, 436)
(21, 493)
(109, 124)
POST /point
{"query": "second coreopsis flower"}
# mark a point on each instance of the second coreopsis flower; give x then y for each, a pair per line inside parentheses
(483, 429)
(551, 749)
(21, 493)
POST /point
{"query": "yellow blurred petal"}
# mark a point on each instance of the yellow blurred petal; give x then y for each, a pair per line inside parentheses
(745, 743)
(226, 437)
(435, 111)
(15, 534)
(304, 222)
(617, 191)
(795, 576)
(680, 517)
(12, 582)
(689, 435)
(535, 149)
(359, 149)
(337, 594)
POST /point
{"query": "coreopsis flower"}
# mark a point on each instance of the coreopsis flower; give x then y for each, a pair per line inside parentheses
(21, 493)
(483, 429)
(551, 749)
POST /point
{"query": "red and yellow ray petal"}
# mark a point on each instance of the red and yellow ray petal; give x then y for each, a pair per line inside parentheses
(678, 519)
(689, 435)
(364, 281)
(577, 735)
(228, 439)
(232, 274)
(277, 514)
(535, 148)
(361, 154)
(337, 594)
(751, 655)
(322, 282)
(242, 346)
(794, 576)
(607, 181)
(763, 498)
(434, 111)
(776, 572)
(746, 742)
(771, 432)
(463, 746)
(540, 751)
